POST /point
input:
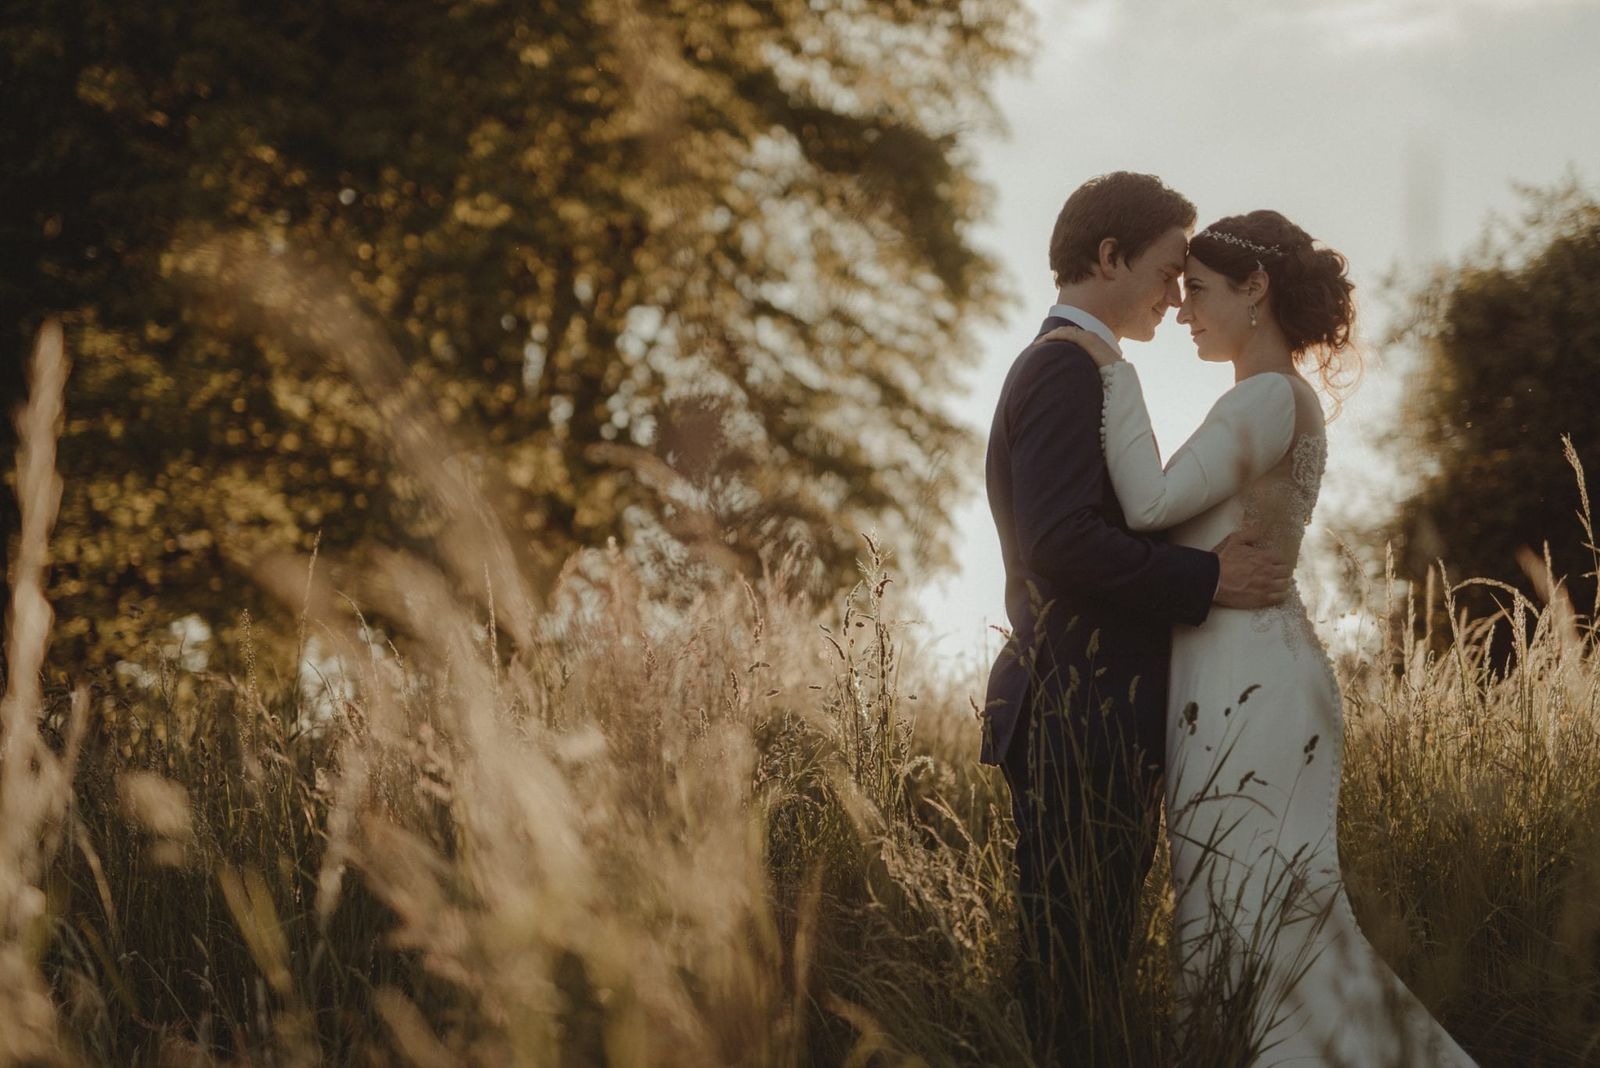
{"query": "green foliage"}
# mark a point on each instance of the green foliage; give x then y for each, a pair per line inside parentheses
(695, 276)
(1510, 343)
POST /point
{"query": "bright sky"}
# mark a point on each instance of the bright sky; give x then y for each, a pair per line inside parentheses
(1390, 129)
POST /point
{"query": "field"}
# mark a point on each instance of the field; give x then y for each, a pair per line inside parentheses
(748, 832)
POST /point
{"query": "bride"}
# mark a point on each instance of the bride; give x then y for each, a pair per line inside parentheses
(1254, 719)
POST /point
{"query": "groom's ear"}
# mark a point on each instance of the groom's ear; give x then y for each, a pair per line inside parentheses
(1109, 256)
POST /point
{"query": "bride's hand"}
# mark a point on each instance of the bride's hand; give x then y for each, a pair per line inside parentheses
(1101, 353)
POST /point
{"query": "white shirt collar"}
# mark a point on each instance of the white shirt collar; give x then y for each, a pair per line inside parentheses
(1088, 322)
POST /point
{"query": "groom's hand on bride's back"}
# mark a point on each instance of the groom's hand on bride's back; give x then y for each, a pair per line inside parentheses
(1249, 576)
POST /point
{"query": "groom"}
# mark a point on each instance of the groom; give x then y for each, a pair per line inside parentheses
(1076, 705)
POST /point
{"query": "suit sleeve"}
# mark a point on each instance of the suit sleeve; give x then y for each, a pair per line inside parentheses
(1062, 529)
(1246, 432)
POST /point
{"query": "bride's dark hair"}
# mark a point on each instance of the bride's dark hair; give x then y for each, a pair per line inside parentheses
(1309, 292)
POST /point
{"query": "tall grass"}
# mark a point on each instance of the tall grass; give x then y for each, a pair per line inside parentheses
(1471, 819)
(746, 833)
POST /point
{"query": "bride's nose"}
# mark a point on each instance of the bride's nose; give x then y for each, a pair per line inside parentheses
(1185, 315)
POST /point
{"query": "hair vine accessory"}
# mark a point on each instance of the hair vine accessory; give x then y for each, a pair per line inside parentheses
(1238, 242)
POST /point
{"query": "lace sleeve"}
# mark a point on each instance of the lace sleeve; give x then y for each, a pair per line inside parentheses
(1246, 432)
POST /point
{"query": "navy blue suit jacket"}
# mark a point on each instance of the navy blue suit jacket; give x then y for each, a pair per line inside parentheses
(1091, 604)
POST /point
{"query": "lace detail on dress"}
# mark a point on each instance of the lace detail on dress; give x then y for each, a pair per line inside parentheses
(1280, 510)
(1293, 616)
(1306, 465)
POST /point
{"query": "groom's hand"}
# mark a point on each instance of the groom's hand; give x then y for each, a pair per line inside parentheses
(1249, 576)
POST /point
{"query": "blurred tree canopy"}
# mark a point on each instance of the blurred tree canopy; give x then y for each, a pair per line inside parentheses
(1510, 362)
(696, 276)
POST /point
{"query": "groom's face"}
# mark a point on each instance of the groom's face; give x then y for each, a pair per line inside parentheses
(1150, 285)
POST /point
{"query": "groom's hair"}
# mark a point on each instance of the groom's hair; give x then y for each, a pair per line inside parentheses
(1131, 209)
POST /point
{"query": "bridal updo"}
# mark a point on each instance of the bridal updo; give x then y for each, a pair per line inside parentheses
(1309, 291)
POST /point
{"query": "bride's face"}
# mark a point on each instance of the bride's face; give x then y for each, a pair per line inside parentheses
(1216, 311)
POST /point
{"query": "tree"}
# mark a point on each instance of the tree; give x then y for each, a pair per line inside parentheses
(1510, 355)
(694, 276)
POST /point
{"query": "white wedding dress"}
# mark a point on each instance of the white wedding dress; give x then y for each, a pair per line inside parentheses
(1254, 744)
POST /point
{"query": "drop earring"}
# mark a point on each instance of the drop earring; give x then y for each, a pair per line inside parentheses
(1254, 319)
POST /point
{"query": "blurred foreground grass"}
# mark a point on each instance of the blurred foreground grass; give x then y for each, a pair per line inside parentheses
(749, 835)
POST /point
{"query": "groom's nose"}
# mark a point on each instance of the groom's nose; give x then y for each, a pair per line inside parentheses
(1174, 294)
